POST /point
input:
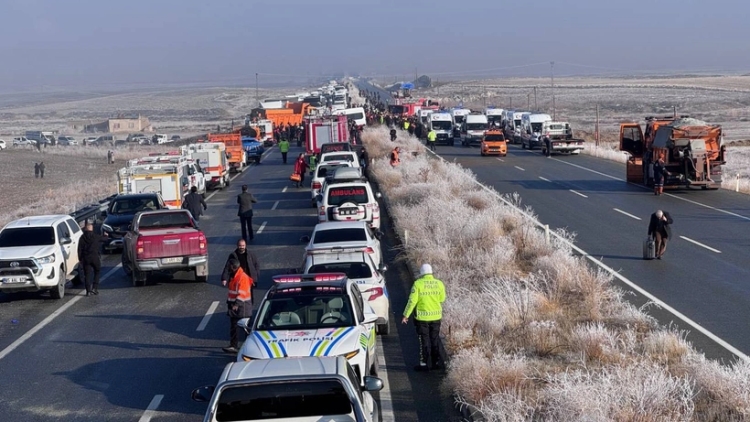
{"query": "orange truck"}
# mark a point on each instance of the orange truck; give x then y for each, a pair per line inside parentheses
(493, 143)
(233, 142)
(692, 151)
(292, 114)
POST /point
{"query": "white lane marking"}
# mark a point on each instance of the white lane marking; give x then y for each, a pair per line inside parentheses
(27, 335)
(578, 193)
(285, 188)
(275, 204)
(718, 340)
(231, 179)
(207, 317)
(500, 159)
(262, 226)
(520, 168)
(386, 402)
(667, 194)
(626, 213)
(700, 244)
(151, 409)
(545, 179)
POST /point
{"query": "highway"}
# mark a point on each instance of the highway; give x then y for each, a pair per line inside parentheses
(705, 271)
(135, 354)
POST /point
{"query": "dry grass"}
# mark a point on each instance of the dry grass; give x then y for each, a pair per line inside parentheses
(534, 333)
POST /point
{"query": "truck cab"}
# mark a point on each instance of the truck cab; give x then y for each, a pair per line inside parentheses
(475, 125)
(442, 124)
(494, 117)
(531, 129)
(459, 114)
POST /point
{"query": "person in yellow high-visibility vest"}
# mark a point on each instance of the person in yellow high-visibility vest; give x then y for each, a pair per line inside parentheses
(406, 125)
(431, 139)
(426, 298)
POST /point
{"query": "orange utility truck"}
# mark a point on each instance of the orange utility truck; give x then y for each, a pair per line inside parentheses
(236, 154)
(692, 151)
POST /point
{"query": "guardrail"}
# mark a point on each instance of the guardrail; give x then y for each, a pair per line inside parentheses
(93, 210)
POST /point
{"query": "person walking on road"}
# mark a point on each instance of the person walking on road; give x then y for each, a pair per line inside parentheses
(659, 228)
(660, 172)
(194, 203)
(239, 302)
(36, 170)
(431, 139)
(41, 169)
(248, 262)
(300, 167)
(284, 149)
(427, 297)
(245, 200)
(89, 259)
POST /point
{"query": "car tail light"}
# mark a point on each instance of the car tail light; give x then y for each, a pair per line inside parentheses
(316, 185)
(322, 211)
(375, 292)
(202, 244)
(369, 250)
(139, 248)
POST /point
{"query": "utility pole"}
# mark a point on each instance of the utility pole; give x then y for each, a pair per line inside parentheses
(528, 101)
(552, 73)
(257, 99)
(535, 106)
(415, 75)
(511, 103)
(674, 112)
(596, 129)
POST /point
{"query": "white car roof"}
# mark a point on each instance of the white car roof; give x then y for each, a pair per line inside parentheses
(333, 225)
(293, 367)
(37, 221)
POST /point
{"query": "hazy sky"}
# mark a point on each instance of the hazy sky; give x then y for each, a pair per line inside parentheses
(73, 43)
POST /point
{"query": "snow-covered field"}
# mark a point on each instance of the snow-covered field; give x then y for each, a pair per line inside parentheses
(534, 333)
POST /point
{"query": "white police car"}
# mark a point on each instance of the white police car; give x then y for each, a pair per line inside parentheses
(313, 315)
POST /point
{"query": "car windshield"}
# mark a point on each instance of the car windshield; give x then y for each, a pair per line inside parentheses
(441, 125)
(556, 127)
(356, 194)
(339, 157)
(165, 219)
(133, 205)
(340, 235)
(355, 116)
(494, 138)
(476, 126)
(27, 236)
(536, 127)
(283, 400)
(458, 118)
(494, 118)
(353, 270)
(305, 308)
(324, 171)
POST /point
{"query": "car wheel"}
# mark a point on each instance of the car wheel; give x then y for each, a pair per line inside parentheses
(58, 291)
(126, 264)
(374, 369)
(383, 329)
(223, 183)
(523, 145)
(227, 182)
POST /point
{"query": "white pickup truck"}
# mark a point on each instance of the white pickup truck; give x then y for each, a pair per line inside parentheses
(39, 253)
(557, 137)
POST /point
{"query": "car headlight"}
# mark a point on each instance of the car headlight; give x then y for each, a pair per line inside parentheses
(49, 259)
(350, 354)
(107, 228)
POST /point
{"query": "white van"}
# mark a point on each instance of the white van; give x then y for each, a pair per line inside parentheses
(475, 126)
(494, 116)
(424, 115)
(442, 124)
(357, 114)
(459, 114)
(531, 129)
(513, 126)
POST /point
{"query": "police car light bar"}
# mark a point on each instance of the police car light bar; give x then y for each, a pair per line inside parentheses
(298, 278)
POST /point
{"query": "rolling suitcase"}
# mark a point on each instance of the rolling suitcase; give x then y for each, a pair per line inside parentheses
(649, 248)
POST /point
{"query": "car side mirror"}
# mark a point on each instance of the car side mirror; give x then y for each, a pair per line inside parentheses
(244, 323)
(66, 241)
(383, 268)
(304, 239)
(370, 319)
(203, 394)
(378, 195)
(373, 384)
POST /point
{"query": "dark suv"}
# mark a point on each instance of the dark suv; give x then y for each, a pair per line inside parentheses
(119, 215)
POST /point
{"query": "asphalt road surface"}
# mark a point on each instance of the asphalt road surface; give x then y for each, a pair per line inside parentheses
(705, 271)
(135, 354)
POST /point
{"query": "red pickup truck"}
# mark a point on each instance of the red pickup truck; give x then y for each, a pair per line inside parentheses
(165, 240)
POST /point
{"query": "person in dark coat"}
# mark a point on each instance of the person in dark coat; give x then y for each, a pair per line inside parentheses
(659, 228)
(248, 262)
(89, 260)
(194, 203)
(41, 169)
(36, 170)
(245, 213)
